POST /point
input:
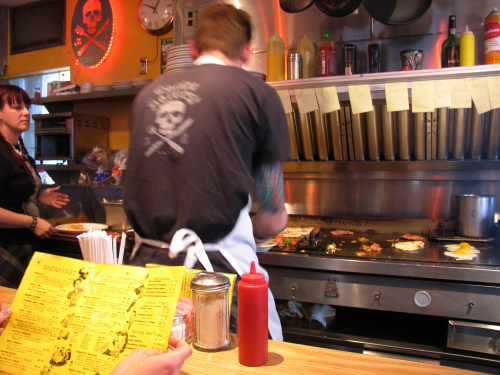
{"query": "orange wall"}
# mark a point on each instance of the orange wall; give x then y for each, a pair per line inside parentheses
(131, 43)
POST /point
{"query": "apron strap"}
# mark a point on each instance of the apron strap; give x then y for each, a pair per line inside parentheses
(186, 239)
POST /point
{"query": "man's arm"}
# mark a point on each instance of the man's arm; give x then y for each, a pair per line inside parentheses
(272, 216)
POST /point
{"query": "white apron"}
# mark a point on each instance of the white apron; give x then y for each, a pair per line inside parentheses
(238, 247)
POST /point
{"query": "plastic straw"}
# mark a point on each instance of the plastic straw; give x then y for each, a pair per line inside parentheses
(122, 248)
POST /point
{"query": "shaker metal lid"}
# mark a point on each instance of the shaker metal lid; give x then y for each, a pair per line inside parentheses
(210, 281)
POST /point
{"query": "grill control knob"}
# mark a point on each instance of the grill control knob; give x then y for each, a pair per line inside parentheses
(422, 299)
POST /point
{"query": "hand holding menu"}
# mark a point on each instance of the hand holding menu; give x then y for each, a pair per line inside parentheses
(76, 317)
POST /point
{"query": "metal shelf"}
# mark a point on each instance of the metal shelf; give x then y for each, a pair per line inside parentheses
(377, 80)
(93, 96)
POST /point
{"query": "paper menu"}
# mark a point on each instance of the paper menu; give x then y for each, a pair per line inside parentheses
(494, 91)
(306, 100)
(459, 94)
(396, 95)
(361, 99)
(442, 97)
(328, 99)
(72, 316)
(186, 290)
(478, 89)
(285, 100)
(422, 96)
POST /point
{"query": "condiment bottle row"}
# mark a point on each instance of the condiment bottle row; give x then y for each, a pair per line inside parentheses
(311, 60)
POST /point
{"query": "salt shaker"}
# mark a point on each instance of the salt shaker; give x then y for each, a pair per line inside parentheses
(179, 328)
(211, 311)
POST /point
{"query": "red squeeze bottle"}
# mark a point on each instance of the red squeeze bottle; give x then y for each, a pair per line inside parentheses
(252, 318)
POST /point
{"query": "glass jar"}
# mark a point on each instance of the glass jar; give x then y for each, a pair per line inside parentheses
(211, 311)
(38, 93)
(179, 326)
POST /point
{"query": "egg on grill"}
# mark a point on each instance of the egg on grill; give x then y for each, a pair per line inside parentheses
(462, 251)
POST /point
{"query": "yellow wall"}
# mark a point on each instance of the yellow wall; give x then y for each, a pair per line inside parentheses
(130, 44)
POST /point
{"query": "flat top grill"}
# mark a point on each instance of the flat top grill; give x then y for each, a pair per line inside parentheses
(348, 246)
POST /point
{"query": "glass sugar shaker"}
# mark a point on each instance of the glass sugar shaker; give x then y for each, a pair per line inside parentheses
(211, 311)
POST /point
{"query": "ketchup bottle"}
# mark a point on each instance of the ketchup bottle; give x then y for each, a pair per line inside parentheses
(252, 318)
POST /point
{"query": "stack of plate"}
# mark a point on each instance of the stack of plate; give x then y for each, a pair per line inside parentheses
(120, 85)
(178, 58)
(102, 87)
(86, 87)
(140, 82)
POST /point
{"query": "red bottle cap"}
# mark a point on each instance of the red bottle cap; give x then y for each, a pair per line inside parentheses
(253, 277)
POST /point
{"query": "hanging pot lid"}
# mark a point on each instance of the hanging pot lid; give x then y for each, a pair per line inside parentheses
(338, 8)
(295, 6)
(396, 12)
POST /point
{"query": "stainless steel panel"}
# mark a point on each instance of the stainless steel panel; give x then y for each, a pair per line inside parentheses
(478, 337)
(340, 189)
(403, 123)
(334, 131)
(292, 128)
(372, 133)
(357, 137)
(348, 128)
(459, 129)
(431, 135)
(493, 140)
(388, 137)
(304, 131)
(343, 129)
(450, 300)
(320, 136)
(476, 138)
(442, 133)
(420, 131)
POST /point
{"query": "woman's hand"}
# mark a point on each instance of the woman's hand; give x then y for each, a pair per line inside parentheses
(4, 315)
(150, 361)
(51, 197)
(43, 228)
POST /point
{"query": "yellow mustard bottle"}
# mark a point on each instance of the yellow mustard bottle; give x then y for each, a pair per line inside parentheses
(275, 58)
(467, 48)
(309, 65)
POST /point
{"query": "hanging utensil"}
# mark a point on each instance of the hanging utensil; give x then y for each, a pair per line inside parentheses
(295, 6)
(396, 12)
(338, 8)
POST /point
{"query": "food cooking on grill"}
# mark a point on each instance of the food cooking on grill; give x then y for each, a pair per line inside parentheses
(290, 235)
(413, 237)
(341, 232)
(409, 245)
(370, 248)
(462, 251)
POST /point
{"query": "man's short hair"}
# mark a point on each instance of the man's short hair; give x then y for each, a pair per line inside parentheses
(224, 28)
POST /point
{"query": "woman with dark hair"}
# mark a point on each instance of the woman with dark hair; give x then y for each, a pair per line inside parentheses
(20, 224)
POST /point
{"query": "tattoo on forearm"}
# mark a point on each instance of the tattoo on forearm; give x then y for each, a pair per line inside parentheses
(269, 186)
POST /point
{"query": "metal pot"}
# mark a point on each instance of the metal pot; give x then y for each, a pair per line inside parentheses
(475, 215)
(396, 12)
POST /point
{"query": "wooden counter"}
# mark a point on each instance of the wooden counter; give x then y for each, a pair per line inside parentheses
(291, 359)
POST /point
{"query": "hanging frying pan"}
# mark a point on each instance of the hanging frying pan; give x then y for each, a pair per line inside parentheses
(338, 8)
(396, 12)
(295, 6)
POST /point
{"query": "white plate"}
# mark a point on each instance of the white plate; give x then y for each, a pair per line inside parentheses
(64, 228)
(261, 247)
